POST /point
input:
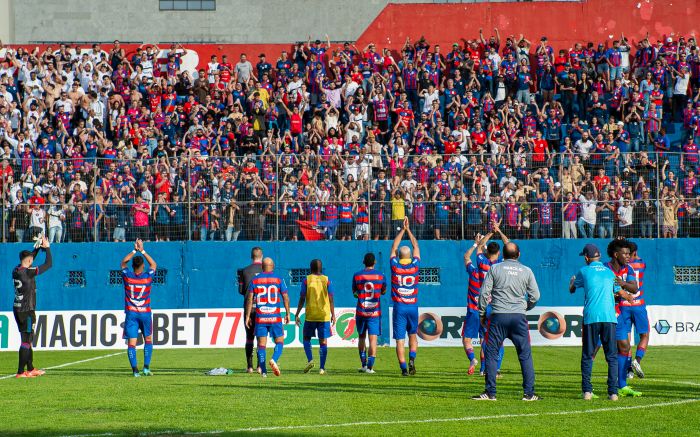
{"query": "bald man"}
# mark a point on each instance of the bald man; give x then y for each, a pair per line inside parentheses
(511, 290)
(265, 291)
(404, 293)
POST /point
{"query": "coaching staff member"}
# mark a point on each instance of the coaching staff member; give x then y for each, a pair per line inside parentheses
(24, 278)
(599, 319)
(512, 290)
(244, 277)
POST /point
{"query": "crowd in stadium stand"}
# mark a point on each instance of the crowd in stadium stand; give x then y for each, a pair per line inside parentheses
(333, 141)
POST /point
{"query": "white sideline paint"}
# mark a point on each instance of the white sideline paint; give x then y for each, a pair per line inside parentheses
(411, 422)
(468, 419)
(71, 364)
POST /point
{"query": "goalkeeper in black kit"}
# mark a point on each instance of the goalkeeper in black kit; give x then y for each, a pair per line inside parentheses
(24, 278)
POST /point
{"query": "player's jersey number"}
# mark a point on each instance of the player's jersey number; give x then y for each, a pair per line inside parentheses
(267, 294)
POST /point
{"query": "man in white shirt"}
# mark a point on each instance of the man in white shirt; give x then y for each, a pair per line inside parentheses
(586, 223)
(583, 145)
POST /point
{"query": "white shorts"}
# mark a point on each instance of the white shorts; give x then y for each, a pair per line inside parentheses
(361, 229)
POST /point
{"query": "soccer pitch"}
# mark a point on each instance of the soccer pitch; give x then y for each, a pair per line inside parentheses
(93, 393)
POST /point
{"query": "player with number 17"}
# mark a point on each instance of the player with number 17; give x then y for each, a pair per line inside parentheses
(137, 305)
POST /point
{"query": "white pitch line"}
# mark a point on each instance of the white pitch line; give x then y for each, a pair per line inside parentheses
(465, 419)
(71, 364)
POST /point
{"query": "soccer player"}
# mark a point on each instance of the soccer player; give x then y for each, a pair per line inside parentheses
(264, 291)
(24, 307)
(472, 326)
(599, 319)
(484, 262)
(367, 286)
(137, 297)
(245, 276)
(405, 270)
(317, 294)
(635, 312)
(619, 253)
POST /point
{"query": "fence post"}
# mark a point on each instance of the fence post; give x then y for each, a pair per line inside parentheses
(658, 200)
(370, 178)
(94, 201)
(4, 210)
(189, 199)
(276, 237)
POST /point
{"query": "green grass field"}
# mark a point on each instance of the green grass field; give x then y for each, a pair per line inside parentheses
(100, 396)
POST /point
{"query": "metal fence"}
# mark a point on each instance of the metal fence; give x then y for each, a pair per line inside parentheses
(352, 196)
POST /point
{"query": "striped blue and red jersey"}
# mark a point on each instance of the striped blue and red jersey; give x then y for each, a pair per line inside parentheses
(484, 265)
(624, 273)
(639, 267)
(404, 281)
(474, 287)
(368, 285)
(267, 289)
(137, 290)
(512, 213)
(410, 78)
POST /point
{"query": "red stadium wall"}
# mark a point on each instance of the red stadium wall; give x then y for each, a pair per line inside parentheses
(562, 22)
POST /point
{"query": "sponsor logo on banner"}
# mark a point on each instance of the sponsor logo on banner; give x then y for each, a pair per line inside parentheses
(674, 325)
(561, 326)
(554, 326)
(195, 328)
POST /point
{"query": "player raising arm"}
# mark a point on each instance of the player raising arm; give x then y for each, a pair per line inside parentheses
(24, 307)
(137, 305)
(404, 293)
(264, 290)
(472, 324)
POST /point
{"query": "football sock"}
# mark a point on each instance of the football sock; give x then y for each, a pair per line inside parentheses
(30, 362)
(501, 351)
(147, 352)
(412, 355)
(262, 357)
(370, 362)
(307, 350)
(363, 358)
(470, 354)
(131, 352)
(249, 353)
(323, 353)
(402, 364)
(23, 356)
(621, 370)
(640, 353)
(483, 361)
(278, 351)
(628, 363)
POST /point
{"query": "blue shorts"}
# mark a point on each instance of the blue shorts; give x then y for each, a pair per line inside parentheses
(323, 329)
(136, 322)
(368, 325)
(472, 325)
(631, 316)
(275, 330)
(405, 321)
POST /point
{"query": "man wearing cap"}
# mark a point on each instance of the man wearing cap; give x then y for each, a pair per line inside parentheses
(599, 319)
(24, 278)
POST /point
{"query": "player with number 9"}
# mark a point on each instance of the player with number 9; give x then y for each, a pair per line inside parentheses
(137, 305)
(265, 292)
